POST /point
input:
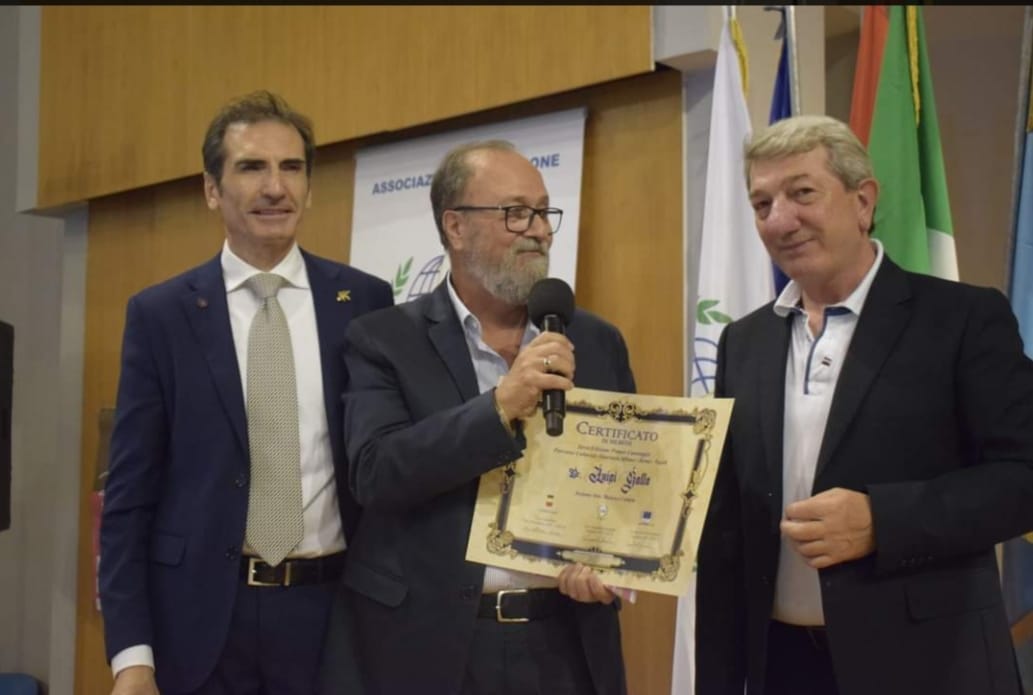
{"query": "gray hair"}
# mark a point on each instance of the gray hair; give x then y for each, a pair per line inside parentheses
(452, 175)
(847, 159)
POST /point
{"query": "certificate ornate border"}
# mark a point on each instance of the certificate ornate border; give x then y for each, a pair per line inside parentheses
(502, 541)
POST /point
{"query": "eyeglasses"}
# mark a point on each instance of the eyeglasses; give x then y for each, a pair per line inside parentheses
(519, 218)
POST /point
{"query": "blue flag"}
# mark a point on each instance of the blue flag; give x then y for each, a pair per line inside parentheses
(781, 107)
(781, 98)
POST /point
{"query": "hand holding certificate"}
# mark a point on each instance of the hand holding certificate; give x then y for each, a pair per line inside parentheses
(624, 490)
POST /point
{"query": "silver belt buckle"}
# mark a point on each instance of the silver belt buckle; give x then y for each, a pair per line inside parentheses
(251, 567)
(498, 606)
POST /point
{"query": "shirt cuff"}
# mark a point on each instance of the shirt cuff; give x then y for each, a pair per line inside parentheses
(137, 655)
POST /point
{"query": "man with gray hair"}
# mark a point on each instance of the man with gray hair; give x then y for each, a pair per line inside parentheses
(880, 446)
(438, 389)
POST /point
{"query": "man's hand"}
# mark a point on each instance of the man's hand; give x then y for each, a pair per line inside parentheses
(547, 362)
(832, 527)
(135, 680)
(582, 584)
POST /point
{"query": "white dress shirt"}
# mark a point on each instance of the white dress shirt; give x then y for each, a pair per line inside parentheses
(490, 367)
(812, 370)
(324, 533)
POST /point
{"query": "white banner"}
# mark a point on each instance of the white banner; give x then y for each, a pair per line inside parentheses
(393, 230)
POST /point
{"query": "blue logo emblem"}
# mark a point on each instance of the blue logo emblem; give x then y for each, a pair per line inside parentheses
(425, 282)
(704, 364)
(427, 279)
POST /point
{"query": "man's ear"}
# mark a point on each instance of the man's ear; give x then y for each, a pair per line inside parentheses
(211, 191)
(867, 197)
(451, 222)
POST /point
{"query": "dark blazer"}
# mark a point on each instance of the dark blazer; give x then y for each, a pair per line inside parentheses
(175, 503)
(419, 435)
(932, 417)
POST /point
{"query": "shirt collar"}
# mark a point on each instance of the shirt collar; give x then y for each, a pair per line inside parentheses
(236, 271)
(470, 322)
(791, 299)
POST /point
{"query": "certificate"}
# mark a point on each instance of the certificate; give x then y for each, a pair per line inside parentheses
(624, 489)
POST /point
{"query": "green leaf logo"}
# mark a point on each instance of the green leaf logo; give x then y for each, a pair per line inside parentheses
(706, 314)
(402, 276)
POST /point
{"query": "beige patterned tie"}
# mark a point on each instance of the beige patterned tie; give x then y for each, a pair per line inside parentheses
(274, 513)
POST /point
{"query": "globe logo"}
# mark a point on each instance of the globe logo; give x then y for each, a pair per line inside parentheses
(427, 279)
(704, 365)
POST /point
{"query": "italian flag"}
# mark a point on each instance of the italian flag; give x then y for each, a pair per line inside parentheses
(893, 112)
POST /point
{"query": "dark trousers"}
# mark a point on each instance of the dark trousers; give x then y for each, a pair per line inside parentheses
(275, 642)
(798, 661)
(540, 657)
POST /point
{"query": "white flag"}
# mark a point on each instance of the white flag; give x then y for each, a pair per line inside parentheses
(735, 275)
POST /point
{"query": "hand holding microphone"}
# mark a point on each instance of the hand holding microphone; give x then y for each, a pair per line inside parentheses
(551, 306)
(544, 369)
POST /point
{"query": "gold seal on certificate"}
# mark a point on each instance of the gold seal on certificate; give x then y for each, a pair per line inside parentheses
(624, 489)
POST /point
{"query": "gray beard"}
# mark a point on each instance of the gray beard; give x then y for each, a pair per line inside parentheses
(504, 280)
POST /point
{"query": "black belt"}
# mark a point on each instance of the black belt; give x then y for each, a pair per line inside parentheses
(522, 605)
(817, 634)
(315, 570)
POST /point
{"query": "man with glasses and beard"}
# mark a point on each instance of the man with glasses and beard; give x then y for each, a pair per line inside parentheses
(438, 389)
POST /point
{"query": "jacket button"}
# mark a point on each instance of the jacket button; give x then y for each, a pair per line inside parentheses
(240, 480)
(232, 553)
(468, 592)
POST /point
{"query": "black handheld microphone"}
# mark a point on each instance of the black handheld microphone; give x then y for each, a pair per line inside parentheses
(550, 306)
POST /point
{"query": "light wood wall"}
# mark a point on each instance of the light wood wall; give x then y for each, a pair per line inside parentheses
(630, 255)
(974, 56)
(126, 91)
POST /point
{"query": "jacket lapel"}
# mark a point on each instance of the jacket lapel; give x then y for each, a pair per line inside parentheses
(446, 334)
(885, 314)
(206, 310)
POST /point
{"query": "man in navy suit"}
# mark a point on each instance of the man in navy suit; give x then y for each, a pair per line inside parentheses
(880, 446)
(189, 605)
(438, 389)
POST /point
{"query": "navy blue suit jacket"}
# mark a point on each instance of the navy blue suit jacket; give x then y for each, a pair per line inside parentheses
(175, 504)
(419, 435)
(932, 417)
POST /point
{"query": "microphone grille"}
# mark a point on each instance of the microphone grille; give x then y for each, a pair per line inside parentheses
(550, 296)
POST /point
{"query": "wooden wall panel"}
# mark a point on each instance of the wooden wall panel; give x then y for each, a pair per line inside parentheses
(126, 91)
(629, 271)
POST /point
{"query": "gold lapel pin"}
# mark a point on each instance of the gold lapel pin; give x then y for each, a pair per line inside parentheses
(344, 295)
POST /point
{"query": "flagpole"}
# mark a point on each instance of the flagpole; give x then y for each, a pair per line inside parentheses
(794, 63)
(1021, 118)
